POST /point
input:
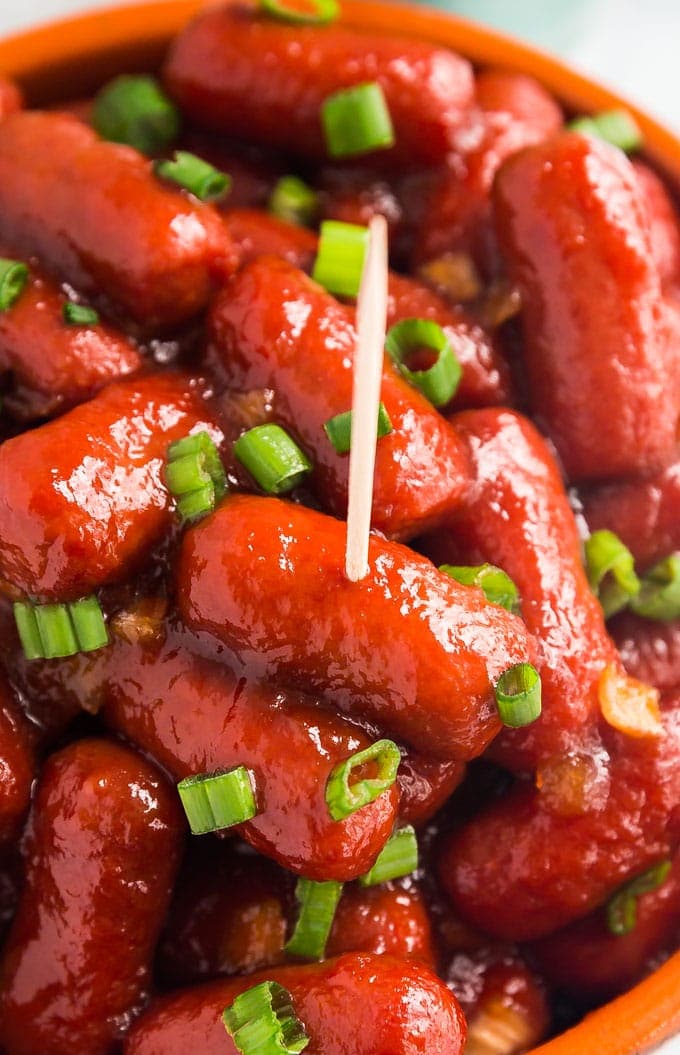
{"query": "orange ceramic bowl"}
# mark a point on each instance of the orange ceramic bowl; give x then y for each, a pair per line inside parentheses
(69, 58)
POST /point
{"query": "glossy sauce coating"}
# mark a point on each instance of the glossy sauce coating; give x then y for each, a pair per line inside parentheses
(266, 578)
(249, 76)
(664, 224)
(102, 849)
(273, 327)
(396, 1007)
(650, 650)
(97, 217)
(55, 365)
(17, 765)
(193, 716)
(389, 920)
(83, 496)
(571, 220)
(425, 785)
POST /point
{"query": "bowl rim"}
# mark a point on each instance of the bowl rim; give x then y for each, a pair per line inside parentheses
(44, 60)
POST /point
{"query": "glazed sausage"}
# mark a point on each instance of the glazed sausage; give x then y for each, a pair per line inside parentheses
(644, 513)
(396, 1006)
(83, 496)
(103, 846)
(273, 327)
(425, 785)
(55, 365)
(388, 920)
(96, 216)
(17, 765)
(663, 223)
(650, 650)
(524, 867)
(588, 961)
(591, 306)
(257, 574)
(255, 233)
(193, 716)
(516, 515)
(255, 78)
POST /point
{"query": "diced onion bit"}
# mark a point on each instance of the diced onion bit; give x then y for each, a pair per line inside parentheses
(611, 571)
(411, 336)
(13, 278)
(302, 12)
(518, 695)
(293, 201)
(53, 631)
(345, 796)
(398, 857)
(617, 127)
(79, 314)
(340, 257)
(454, 275)
(622, 908)
(339, 429)
(629, 705)
(135, 110)
(272, 458)
(194, 174)
(318, 902)
(497, 586)
(213, 801)
(659, 596)
(356, 121)
(262, 1021)
(195, 475)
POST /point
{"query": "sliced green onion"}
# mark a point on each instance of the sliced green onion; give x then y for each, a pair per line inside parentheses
(53, 631)
(611, 571)
(440, 381)
(356, 121)
(262, 1021)
(339, 428)
(195, 175)
(302, 12)
(622, 908)
(213, 801)
(340, 258)
(272, 458)
(617, 127)
(318, 902)
(293, 201)
(13, 278)
(398, 857)
(518, 695)
(79, 314)
(195, 475)
(659, 596)
(497, 586)
(344, 797)
(135, 110)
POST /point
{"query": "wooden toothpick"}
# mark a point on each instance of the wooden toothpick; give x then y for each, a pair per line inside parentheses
(368, 365)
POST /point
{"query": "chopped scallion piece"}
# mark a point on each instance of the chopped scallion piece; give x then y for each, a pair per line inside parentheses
(345, 796)
(611, 571)
(272, 458)
(13, 278)
(340, 258)
(195, 175)
(410, 336)
(262, 1021)
(622, 908)
(518, 695)
(79, 314)
(497, 586)
(398, 857)
(617, 127)
(213, 801)
(659, 596)
(135, 110)
(356, 121)
(293, 201)
(53, 631)
(302, 12)
(195, 475)
(339, 428)
(318, 902)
